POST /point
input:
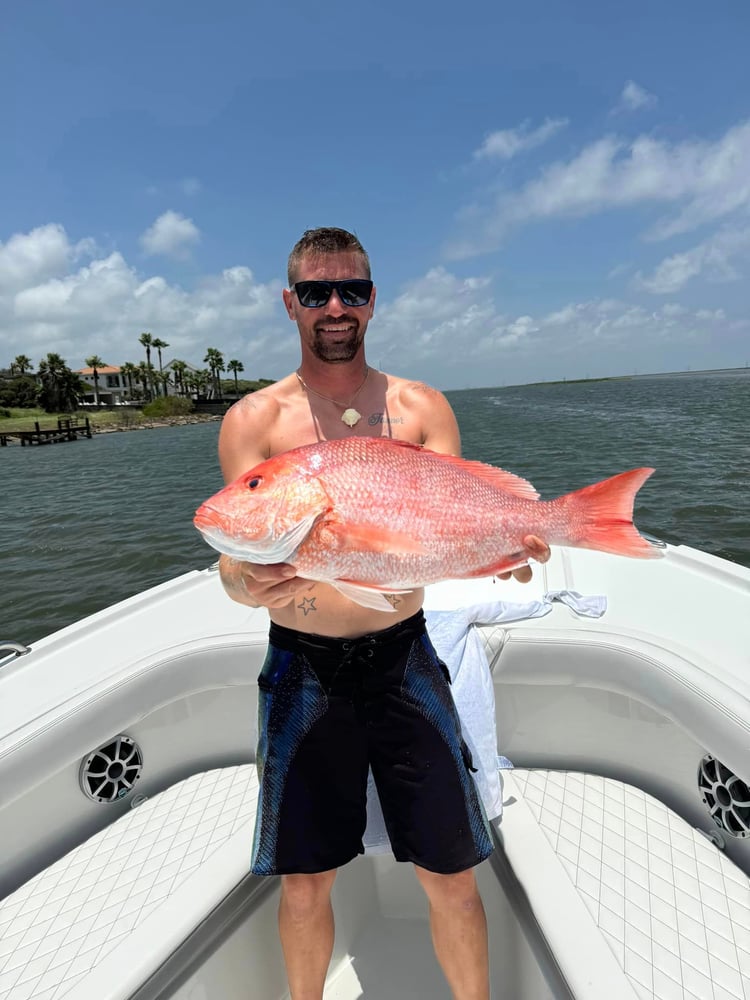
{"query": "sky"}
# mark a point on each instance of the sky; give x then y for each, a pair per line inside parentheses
(546, 190)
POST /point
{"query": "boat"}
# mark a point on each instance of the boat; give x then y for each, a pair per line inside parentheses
(128, 793)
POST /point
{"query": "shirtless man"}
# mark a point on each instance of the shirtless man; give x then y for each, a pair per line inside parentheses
(375, 694)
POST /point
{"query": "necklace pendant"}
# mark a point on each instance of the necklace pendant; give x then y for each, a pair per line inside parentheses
(351, 417)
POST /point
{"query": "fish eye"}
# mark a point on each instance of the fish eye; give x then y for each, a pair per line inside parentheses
(254, 483)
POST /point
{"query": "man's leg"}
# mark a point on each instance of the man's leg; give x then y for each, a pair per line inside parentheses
(459, 931)
(306, 930)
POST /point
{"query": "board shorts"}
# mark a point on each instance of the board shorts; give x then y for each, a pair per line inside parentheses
(329, 710)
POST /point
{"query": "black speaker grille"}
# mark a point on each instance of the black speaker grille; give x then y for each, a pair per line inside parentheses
(110, 772)
(726, 796)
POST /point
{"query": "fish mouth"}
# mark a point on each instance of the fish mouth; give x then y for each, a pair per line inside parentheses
(266, 549)
(209, 523)
(225, 544)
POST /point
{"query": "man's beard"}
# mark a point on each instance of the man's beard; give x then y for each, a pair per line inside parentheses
(345, 349)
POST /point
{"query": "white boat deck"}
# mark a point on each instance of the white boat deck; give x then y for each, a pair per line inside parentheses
(633, 901)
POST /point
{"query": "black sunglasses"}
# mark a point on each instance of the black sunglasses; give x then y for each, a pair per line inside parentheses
(351, 292)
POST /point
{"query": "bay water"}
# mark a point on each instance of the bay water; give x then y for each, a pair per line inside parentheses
(87, 524)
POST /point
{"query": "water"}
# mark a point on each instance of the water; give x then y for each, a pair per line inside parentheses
(90, 523)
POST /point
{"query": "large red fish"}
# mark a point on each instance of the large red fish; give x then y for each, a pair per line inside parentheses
(372, 516)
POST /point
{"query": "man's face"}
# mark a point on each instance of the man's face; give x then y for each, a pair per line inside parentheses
(334, 332)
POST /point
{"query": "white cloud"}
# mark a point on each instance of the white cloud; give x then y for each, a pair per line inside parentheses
(442, 327)
(449, 330)
(704, 181)
(507, 143)
(171, 235)
(715, 259)
(35, 256)
(635, 98)
(49, 302)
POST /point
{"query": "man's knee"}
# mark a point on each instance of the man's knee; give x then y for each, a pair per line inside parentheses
(304, 894)
(455, 891)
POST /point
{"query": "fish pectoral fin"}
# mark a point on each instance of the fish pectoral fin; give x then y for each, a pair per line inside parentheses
(368, 597)
(503, 565)
(334, 534)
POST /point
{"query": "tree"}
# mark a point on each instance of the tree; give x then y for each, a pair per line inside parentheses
(159, 344)
(20, 365)
(162, 379)
(129, 371)
(145, 377)
(21, 391)
(178, 370)
(199, 381)
(148, 342)
(215, 361)
(95, 363)
(61, 387)
(235, 366)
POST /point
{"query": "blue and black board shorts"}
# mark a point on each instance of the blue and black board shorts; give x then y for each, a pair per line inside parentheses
(329, 710)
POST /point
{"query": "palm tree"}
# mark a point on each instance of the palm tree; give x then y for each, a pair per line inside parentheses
(199, 381)
(159, 344)
(148, 342)
(178, 370)
(235, 366)
(95, 363)
(162, 379)
(129, 371)
(215, 361)
(20, 365)
(145, 377)
(61, 387)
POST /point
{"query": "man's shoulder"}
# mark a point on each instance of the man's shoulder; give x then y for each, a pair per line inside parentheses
(415, 394)
(428, 413)
(262, 404)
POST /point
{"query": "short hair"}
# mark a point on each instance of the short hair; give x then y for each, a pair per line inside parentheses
(326, 240)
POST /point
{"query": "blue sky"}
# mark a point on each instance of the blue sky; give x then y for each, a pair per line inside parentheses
(546, 190)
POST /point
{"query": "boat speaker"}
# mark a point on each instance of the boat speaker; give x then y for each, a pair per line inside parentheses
(111, 771)
(726, 796)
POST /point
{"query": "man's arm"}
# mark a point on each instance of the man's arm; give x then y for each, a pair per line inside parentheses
(243, 444)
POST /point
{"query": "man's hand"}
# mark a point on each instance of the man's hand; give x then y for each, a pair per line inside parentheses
(272, 586)
(535, 549)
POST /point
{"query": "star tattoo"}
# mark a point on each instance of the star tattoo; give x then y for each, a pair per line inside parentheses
(307, 605)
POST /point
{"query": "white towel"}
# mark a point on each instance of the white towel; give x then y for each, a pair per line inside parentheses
(460, 647)
(590, 607)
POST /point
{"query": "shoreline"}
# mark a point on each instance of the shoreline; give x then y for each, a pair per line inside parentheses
(145, 424)
(148, 425)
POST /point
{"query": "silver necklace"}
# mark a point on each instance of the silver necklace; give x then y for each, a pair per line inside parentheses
(350, 416)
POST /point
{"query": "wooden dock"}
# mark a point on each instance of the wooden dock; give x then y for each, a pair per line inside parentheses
(67, 429)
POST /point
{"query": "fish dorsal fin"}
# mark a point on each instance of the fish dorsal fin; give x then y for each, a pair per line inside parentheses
(503, 480)
(490, 474)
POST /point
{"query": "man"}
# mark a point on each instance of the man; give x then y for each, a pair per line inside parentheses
(341, 686)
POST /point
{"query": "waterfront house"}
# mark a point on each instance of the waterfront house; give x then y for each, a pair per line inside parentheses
(113, 386)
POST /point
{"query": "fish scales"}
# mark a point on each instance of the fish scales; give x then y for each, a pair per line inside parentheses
(386, 515)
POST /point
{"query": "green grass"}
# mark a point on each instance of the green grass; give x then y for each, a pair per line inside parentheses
(23, 420)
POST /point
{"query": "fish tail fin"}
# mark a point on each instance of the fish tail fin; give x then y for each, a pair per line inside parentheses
(601, 516)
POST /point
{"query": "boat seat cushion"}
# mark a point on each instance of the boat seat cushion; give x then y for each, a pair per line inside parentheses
(673, 910)
(633, 901)
(132, 892)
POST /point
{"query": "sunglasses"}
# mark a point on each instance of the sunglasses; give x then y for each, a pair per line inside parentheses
(352, 292)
